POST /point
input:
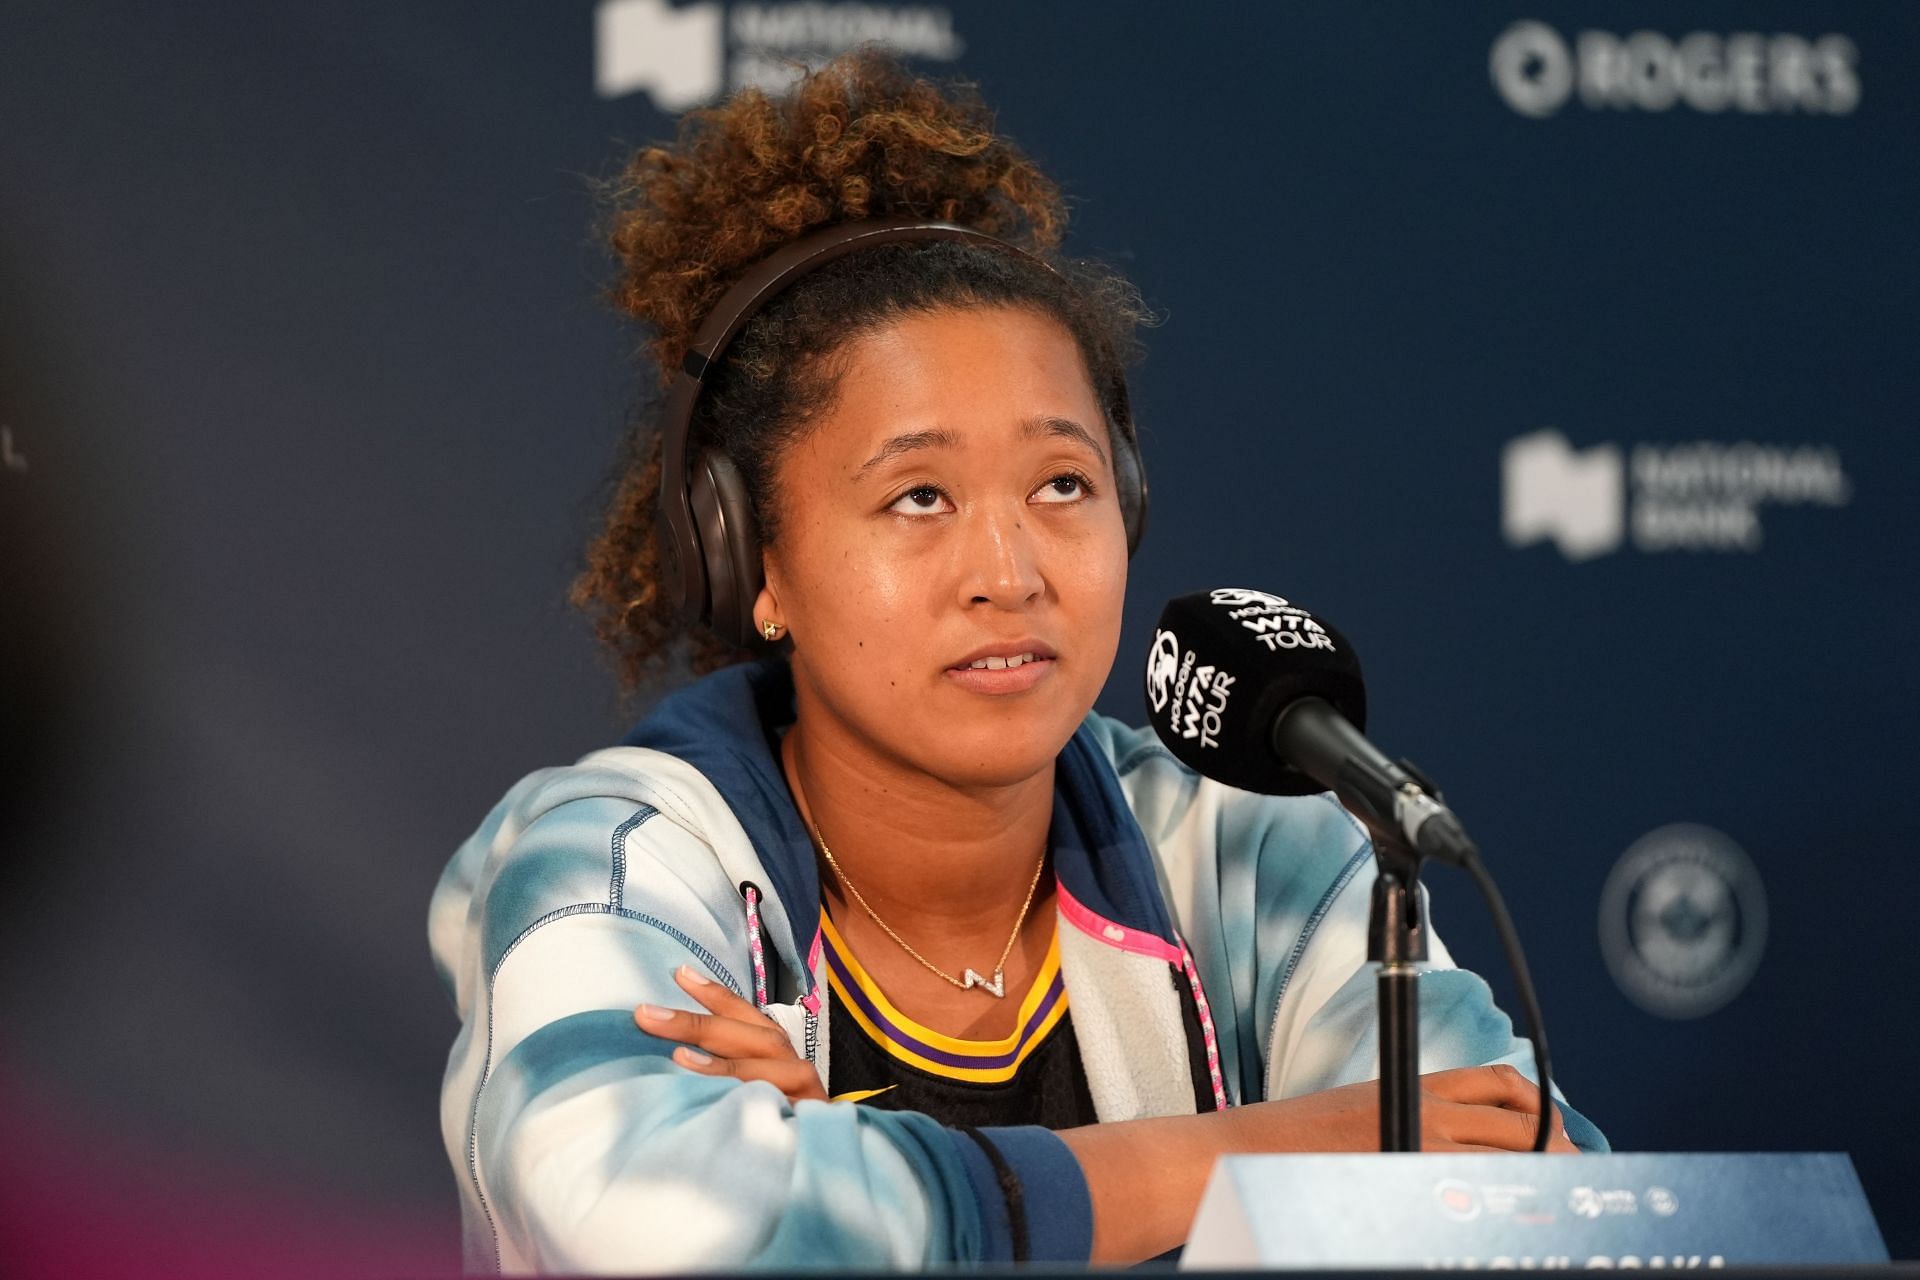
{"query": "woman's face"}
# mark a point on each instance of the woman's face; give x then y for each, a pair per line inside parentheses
(954, 503)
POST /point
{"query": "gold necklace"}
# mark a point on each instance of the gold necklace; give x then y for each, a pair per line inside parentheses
(998, 987)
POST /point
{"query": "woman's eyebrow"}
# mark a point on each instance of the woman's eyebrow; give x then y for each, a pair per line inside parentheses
(893, 448)
(941, 437)
(1036, 428)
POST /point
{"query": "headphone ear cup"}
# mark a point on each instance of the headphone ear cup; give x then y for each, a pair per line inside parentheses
(681, 573)
(1130, 479)
(730, 546)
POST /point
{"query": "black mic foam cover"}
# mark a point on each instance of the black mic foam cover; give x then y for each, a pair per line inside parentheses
(1225, 663)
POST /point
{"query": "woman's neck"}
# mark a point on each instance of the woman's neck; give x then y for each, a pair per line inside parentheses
(946, 867)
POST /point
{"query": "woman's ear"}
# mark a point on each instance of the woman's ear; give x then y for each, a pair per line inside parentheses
(768, 617)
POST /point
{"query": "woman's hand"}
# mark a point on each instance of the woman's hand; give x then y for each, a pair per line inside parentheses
(731, 1039)
(1466, 1109)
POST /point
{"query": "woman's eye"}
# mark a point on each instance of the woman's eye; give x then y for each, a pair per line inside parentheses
(923, 500)
(1068, 486)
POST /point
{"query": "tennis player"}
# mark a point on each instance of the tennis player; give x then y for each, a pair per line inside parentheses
(875, 945)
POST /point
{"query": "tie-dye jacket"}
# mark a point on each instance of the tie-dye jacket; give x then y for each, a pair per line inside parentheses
(580, 1147)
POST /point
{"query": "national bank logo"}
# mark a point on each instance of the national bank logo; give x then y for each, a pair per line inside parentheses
(1538, 71)
(1699, 496)
(1551, 490)
(687, 55)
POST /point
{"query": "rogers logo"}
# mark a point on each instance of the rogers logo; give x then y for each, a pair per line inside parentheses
(1532, 69)
(1538, 71)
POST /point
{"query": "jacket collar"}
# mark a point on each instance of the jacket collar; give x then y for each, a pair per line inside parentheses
(726, 725)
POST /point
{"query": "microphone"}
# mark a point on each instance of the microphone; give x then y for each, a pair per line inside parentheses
(1249, 689)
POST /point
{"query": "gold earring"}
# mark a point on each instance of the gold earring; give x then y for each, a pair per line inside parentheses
(771, 630)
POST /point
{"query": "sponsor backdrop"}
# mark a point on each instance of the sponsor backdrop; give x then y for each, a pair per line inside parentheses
(1561, 354)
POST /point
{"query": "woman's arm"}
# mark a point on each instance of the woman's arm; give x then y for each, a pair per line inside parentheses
(590, 1151)
(583, 1147)
(1325, 1025)
(1145, 1177)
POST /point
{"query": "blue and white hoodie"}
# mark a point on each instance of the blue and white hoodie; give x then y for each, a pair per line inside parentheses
(580, 1147)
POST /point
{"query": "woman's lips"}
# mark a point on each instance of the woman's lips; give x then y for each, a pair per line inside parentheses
(1006, 680)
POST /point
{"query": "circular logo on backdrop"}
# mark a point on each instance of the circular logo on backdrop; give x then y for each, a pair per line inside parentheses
(1683, 921)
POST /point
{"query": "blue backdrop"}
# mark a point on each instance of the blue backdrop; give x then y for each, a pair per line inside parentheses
(1561, 354)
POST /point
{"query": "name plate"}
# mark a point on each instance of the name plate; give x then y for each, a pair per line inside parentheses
(1527, 1212)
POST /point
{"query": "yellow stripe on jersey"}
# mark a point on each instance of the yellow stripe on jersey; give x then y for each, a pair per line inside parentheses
(894, 1029)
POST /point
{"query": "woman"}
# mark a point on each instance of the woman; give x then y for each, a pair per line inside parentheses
(881, 947)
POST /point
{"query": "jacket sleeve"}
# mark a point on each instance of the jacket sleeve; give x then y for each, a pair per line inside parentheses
(1326, 1031)
(1273, 892)
(580, 1145)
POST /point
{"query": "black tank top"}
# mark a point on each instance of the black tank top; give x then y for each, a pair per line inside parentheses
(881, 1058)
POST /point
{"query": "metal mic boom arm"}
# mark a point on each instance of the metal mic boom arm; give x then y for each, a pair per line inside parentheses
(1395, 800)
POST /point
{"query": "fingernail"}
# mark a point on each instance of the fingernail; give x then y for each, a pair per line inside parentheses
(694, 976)
(654, 1013)
(694, 1056)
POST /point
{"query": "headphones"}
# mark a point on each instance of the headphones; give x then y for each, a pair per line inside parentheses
(710, 547)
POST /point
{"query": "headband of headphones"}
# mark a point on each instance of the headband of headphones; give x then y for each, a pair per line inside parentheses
(711, 554)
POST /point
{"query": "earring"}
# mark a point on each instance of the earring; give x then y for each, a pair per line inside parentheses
(771, 630)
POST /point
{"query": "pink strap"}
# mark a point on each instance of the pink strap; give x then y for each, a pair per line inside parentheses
(755, 948)
(1095, 925)
(1206, 1028)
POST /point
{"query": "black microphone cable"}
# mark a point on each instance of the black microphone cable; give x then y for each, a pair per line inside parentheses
(1522, 984)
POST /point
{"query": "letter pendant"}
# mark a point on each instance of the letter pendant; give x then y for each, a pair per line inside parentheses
(997, 988)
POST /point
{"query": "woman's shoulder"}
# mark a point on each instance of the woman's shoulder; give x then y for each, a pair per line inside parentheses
(606, 833)
(584, 808)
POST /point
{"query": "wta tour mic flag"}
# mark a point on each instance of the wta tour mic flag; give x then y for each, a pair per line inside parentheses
(1222, 667)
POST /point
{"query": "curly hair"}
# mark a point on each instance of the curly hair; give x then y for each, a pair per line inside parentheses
(860, 138)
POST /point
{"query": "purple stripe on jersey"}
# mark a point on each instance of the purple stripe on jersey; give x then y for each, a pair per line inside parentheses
(970, 1062)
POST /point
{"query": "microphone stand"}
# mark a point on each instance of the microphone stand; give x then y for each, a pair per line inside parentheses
(1397, 941)
(1409, 823)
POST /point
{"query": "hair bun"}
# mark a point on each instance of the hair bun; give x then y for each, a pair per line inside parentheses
(862, 137)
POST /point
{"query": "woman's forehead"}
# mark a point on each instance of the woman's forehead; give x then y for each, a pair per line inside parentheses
(950, 379)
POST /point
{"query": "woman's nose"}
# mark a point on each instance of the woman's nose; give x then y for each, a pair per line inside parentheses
(1002, 560)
